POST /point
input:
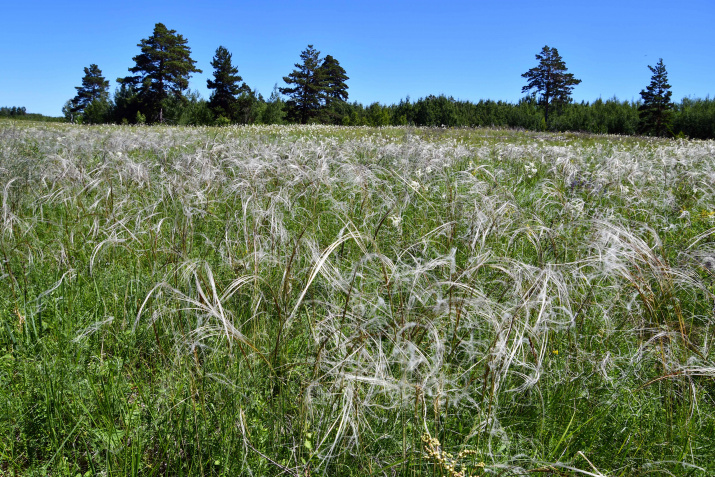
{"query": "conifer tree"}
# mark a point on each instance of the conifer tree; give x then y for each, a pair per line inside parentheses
(163, 69)
(333, 81)
(227, 85)
(305, 96)
(94, 87)
(550, 80)
(656, 112)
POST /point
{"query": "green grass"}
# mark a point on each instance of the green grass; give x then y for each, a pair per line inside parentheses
(314, 300)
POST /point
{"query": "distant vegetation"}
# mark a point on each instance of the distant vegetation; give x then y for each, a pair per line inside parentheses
(693, 118)
(20, 113)
(316, 91)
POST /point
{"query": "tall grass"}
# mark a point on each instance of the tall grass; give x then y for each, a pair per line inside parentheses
(351, 301)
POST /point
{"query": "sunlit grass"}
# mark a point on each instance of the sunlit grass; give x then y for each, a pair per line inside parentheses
(314, 300)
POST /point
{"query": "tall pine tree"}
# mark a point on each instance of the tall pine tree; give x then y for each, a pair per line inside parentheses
(656, 112)
(162, 70)
(333, 78)
(306, 93)
(94, 88)
(550, 80)
(227, 85)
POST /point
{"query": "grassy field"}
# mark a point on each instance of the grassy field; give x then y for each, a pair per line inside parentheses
(353, 301)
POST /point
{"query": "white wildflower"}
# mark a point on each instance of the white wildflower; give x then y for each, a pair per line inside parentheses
(530, 169)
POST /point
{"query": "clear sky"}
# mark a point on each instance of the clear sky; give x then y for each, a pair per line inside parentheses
(471, 50)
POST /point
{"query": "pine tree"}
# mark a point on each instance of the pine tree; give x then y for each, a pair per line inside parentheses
(656, 112)
(94, 88)
(550, 80)
(164, 68)
(227, 85)
(305, 97)
(333, 78)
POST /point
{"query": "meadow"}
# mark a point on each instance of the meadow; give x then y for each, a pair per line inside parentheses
(352, 301)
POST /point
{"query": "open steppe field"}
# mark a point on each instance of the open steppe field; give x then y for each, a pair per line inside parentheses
(313, 300)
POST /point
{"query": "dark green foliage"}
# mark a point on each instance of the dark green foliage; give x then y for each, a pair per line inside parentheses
(401, 112)
(20, 112)
(445, 111)
(377, 115)
(307, 90)
(97, 112)
(334, 92)
(436, 111)
(656, 112)
(249, 106)
(319, 90)
(695, 118)
(95, 88)
(550, 80)
(603, 117)
(11, 112)
(274, 112)
(227, 86)
(162, 70)
(333, 78)
(126, 104)
(191, 110)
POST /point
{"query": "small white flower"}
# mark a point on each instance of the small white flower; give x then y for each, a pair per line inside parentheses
(530, 169)
(396, 220)
(415, 185)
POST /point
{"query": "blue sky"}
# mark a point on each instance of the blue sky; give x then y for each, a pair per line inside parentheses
(390, 49)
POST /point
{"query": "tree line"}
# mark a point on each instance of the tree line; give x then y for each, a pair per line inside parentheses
(12, 111)
(316, 91)
(20, 113)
